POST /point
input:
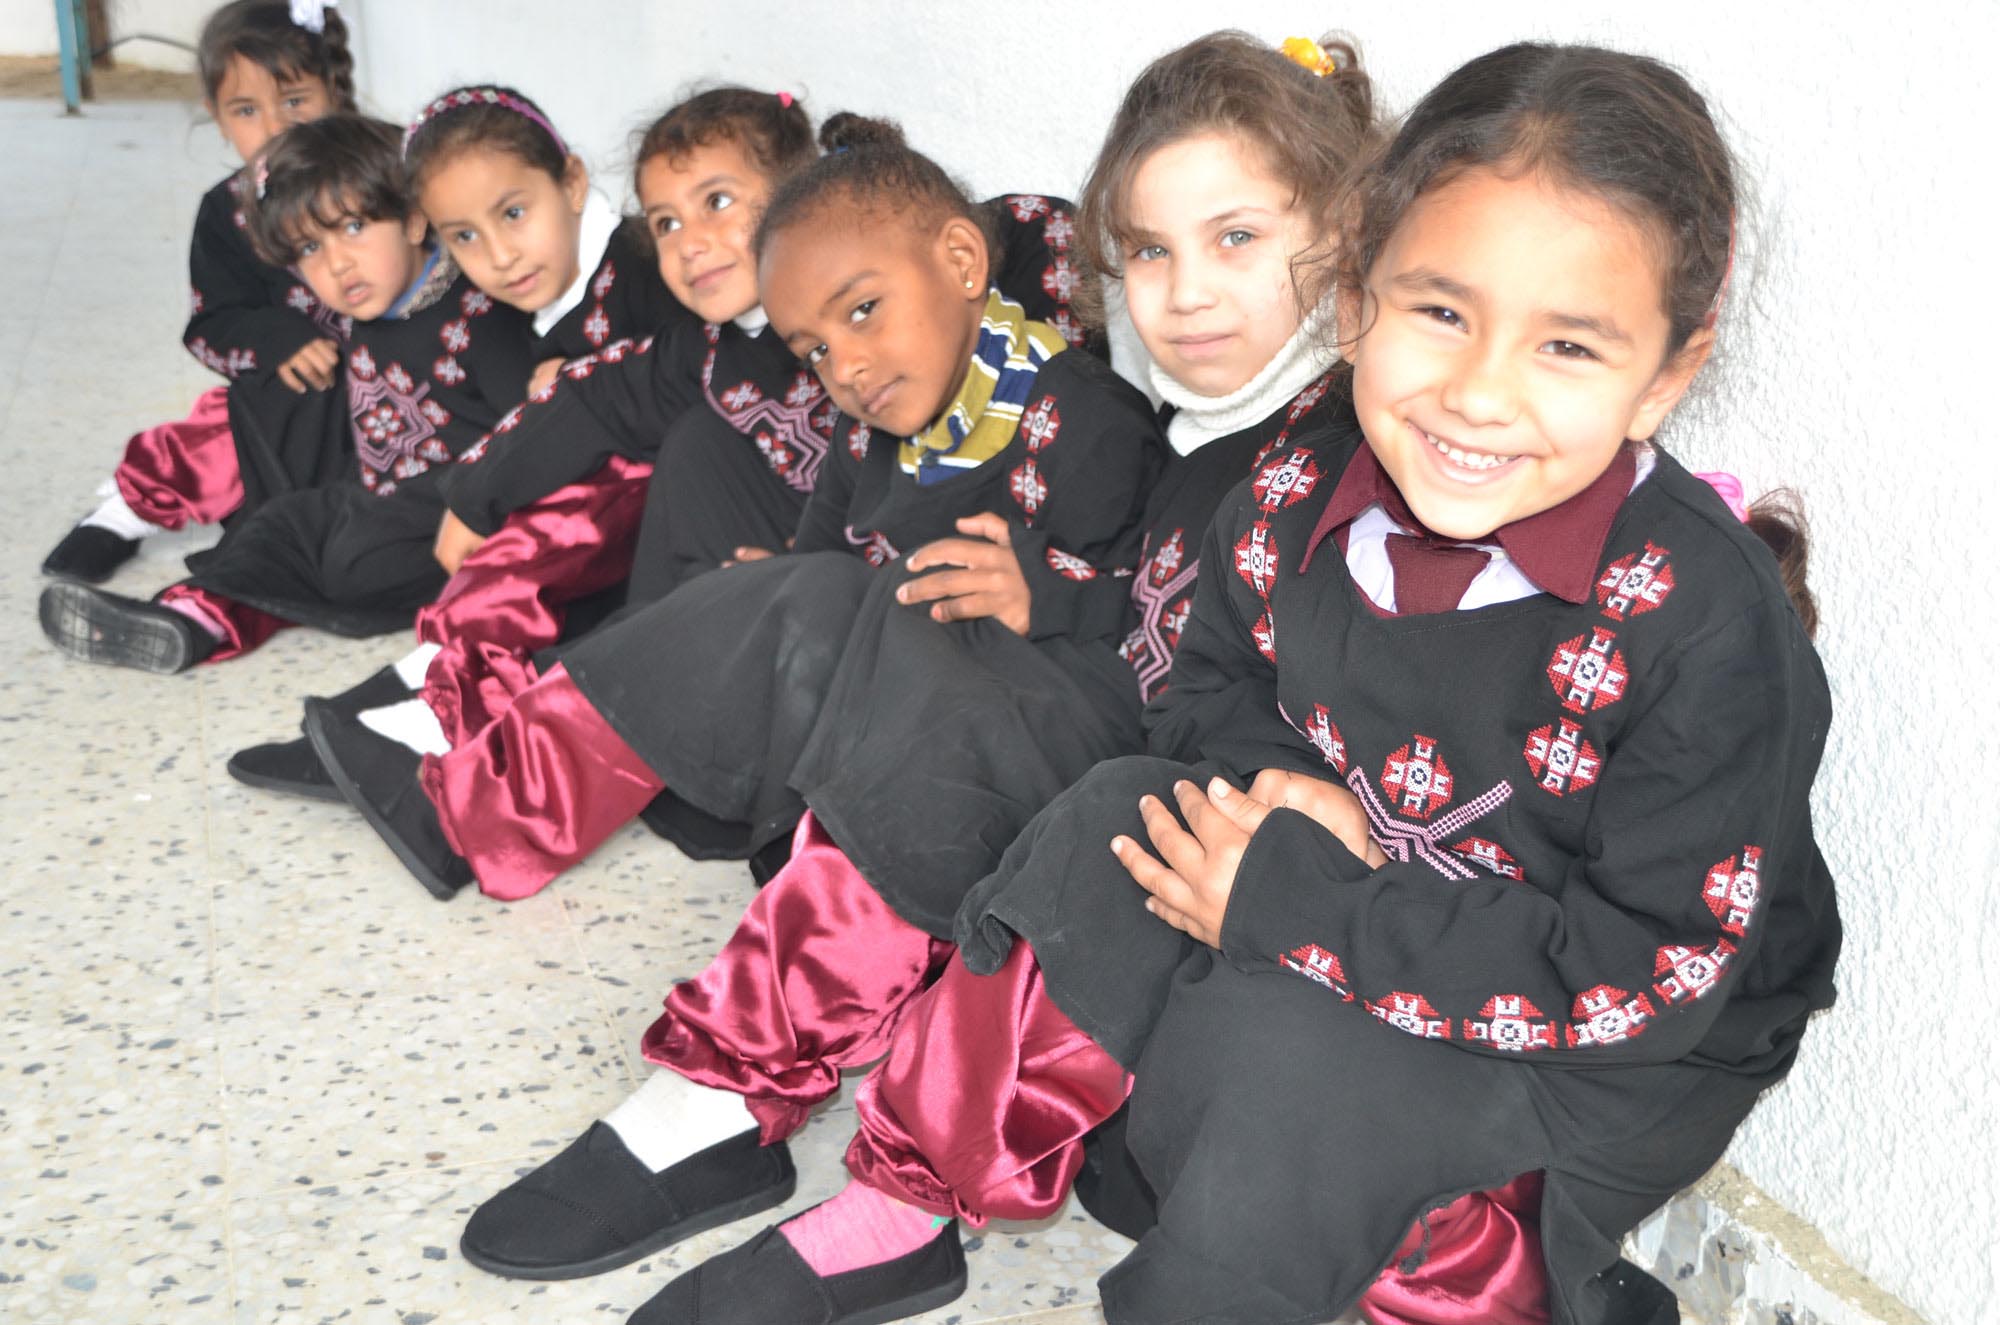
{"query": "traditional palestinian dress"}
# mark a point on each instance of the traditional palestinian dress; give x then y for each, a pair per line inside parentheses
(720, 681)
(255, 437)
(509, 596)
(424, 382)
(605, 518)
(1586, 746)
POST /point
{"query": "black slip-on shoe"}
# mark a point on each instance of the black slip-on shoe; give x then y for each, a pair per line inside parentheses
(89, 554)
(101, 627)
(766, 1282)
(595, 1207)
(291, 768)
(379, 777)
(383, 687)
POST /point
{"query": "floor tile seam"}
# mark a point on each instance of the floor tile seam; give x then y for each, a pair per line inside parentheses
(410, 1174)
(635, 1065)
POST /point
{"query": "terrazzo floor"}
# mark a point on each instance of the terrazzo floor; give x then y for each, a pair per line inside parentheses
(252, 1072)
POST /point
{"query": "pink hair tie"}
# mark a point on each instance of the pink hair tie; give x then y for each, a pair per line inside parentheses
(785, 99)
(1730, 489)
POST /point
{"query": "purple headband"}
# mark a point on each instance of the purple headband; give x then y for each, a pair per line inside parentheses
(481, 96)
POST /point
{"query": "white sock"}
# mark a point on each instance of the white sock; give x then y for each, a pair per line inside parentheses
(416, 664)
(670, 1118)
(119, 518)
(410, 723)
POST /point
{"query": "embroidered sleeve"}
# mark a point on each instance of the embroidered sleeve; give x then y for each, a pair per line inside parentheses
(1087, 477)
(1221, 697)
(1699, 827)
(619, 401)
(234, 327)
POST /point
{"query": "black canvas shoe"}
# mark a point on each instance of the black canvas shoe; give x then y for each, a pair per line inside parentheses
(101, 627)
(379, 777)
(290, 768)
(766, 1282)
(595, 1207)
(383, 687)
(89, 554)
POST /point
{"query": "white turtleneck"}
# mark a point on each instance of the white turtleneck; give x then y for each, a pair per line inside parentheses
(753, 322)
(599, 219)
(1199, 419)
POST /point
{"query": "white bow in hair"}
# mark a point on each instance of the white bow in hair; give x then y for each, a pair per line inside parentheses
(311, 14)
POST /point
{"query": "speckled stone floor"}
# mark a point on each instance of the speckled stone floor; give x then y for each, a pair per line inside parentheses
(249, 1071)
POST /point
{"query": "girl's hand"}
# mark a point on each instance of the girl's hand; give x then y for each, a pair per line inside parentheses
(1191, 879)
(744, 554)
(455, 542)
(544, 374)
(989, 583)
(311, 369)
(1328, 804)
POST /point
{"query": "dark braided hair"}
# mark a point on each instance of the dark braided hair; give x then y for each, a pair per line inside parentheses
(869, 166)
(262, 32)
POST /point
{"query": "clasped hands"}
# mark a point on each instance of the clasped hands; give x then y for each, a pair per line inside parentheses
(1191, 870)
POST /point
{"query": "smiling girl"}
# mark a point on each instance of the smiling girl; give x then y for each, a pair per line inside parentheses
(276, 424)
(1498, 857)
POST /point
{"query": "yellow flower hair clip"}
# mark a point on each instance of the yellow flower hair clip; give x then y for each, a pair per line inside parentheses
(1308, 55)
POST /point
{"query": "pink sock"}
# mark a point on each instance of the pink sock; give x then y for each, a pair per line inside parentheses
(859, 1227)
(193, 612)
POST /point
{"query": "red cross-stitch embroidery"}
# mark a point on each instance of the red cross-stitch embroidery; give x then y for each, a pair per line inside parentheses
(1041, 423)
(1069, 565)
(1510, 1023)
(1411, 1014)
(1257, 558)
(1636, 583)
(1685, 974)
(1417, 778)
(1491, 857)
(1605, 1014)
(1589, 674)
(1561, 760)
(1320, 966)
(1731, 889)
(1286, 482)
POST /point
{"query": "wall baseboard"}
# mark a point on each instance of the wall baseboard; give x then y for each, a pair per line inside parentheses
(1736, 1257)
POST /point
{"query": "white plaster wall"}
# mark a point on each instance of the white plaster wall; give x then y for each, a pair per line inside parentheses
(28, 27)
(1858, 370)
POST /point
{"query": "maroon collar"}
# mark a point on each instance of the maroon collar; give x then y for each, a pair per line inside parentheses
(1559, 549)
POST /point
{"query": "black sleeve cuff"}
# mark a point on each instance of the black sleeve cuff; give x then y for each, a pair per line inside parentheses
(1284, 892)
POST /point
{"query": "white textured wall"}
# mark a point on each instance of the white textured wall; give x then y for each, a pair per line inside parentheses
(1860, 369)
(28, 27)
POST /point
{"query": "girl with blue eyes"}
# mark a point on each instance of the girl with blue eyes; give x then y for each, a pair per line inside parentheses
(276, 423)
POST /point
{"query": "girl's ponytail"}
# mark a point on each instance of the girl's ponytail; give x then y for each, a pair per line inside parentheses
(844, 131)
(339, 59)
(1778, 517)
